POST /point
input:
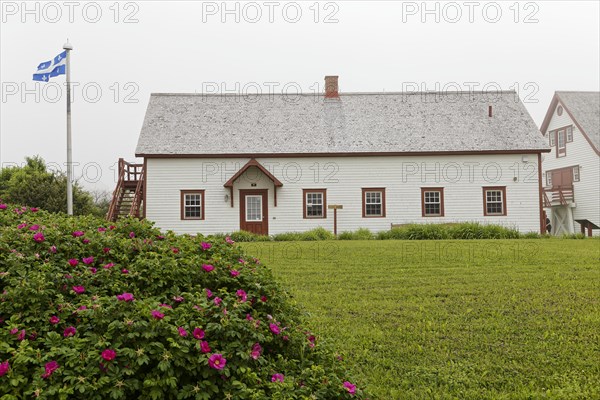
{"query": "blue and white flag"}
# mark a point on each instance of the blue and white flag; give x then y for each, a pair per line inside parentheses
(50, 69)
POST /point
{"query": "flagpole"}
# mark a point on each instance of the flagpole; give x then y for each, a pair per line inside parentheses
(68, 47)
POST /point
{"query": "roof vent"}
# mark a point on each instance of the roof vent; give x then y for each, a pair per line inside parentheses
(490, 113)
(331, 87)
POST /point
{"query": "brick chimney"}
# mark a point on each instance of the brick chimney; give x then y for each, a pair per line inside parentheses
(331, 87)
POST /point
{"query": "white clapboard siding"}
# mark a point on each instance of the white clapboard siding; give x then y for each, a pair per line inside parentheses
(579, 152)
(402, 176)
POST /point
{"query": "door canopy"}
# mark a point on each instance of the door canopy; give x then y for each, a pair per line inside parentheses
(253, 163)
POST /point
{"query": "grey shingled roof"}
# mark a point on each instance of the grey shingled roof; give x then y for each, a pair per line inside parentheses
(184, 124)
(585, 108)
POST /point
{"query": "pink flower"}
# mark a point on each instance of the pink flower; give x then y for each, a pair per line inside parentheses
(50, 368)
(249, 317)
(101, 229)
(34, 209)
(21, 226)
(206, 246)
(21, 336)
(157, 314)
(106, 250)
(78, 233)
(79, 289)
(93, 270)
(209, 293)
(131, 235)
(234, 273)
(256, 350)
(217, 361)
(128, 297)
(207, 267)
(54, 320)
(242, 295)
(165, 306)
(52, 249)
(34, 228)
(39, 237)
(4, 368)
(82, 308)
(109, 354)
(217, 301)
(178, 299)
(263, 299)
(228, 240)
(86, 241)
(109, 266)
(3, 206)
(69, 331)
(204, 347)
(198, 333)
(182, 332)
(88, 260)
(124, 271)
(73, 262)
(275, 329)
(350, 387)
(14, 331)
(277, 378)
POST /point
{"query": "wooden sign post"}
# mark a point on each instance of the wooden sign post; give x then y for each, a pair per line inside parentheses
(335, 207)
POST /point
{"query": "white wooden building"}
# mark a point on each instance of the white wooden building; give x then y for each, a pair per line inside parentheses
(276, 163)
(572, 169)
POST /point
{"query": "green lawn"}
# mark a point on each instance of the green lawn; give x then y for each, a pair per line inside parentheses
(505, 319)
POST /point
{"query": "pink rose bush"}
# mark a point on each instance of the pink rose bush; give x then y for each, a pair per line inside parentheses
(127, 312)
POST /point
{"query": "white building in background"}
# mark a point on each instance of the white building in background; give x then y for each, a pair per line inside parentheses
(277, 163)
(572, 169)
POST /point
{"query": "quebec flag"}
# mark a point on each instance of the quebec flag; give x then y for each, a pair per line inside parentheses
(50, 69)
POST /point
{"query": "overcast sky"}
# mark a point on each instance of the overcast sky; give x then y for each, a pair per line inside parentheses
(125, 51)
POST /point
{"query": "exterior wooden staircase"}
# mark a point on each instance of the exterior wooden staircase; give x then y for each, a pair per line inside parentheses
(559, 196)
(128, 197)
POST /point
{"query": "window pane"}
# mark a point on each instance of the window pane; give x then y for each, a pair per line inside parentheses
(314, 204)
(561, 138)
(373, 209)
(253, 208)
(373, 198)
(432, 203)
(494, 202)
(432, 209)
(193, 206)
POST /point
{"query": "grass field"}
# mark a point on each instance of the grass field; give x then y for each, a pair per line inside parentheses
(505, 319)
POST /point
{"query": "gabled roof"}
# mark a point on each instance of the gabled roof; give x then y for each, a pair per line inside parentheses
(249, 164)
(354, 124)
(584, 110)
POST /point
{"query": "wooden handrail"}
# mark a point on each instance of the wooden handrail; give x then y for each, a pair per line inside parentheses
(137, 197)
(110, 215)
(562, 196)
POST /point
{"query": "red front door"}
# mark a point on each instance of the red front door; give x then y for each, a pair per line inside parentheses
(254, 211)
(562, 178)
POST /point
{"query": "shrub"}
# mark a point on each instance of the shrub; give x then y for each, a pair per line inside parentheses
(243, 236)
(532, 235)
(574, 236)
(317, 234)
(287, 237)
(360, 234)
(121, 311)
